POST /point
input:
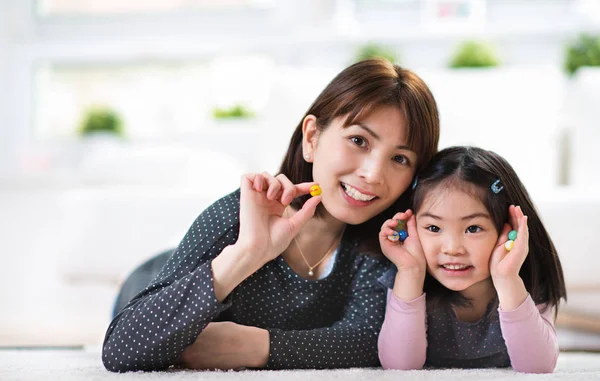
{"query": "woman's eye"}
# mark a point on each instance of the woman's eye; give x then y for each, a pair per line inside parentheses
(473, 229)
(433, 229)
(358, 141)
(401, 159)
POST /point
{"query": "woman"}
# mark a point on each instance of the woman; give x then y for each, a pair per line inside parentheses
(269, 277)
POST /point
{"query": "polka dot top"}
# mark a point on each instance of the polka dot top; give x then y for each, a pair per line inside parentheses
(332, 322)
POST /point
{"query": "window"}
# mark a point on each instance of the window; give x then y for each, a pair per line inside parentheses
(106, 7)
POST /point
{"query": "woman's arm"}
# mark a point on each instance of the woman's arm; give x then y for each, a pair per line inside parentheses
(350, 342)
(156, 326)
(530, 337)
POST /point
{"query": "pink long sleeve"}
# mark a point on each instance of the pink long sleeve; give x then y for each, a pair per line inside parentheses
(402, 341)
(530, 337)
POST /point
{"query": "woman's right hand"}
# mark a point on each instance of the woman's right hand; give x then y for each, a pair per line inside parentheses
(264, 230)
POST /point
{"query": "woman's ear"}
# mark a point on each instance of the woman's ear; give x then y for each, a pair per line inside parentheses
(310, 134)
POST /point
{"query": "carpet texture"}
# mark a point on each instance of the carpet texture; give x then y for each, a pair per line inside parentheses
(68, 365)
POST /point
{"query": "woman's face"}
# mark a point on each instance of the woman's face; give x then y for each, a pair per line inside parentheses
(363, 168)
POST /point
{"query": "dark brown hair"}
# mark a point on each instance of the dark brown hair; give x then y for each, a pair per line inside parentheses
(354, 93)
(471, 168)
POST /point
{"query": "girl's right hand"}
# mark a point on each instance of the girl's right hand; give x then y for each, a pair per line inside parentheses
(264, 231)
(408, 256)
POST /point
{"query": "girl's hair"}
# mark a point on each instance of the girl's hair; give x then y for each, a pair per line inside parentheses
(475, 170)
(354, 93)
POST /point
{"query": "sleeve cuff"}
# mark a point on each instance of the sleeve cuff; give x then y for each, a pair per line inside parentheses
(417, 304)
(520, 313)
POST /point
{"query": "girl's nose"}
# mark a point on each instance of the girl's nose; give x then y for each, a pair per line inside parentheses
(453, 246)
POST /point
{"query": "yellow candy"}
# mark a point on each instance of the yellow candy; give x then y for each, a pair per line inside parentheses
(315, 190)
(509, 245)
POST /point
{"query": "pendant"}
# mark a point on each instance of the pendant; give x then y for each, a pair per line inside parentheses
(310, 272)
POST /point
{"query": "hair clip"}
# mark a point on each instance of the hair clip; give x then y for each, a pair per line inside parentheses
(414, 184)
(497, 186)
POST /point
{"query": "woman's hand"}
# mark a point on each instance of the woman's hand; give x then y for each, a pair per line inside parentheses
(264, 231)
(505, 265)
(227, 345)
(408, 256)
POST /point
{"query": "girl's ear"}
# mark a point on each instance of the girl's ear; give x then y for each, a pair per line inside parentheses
(310, 135)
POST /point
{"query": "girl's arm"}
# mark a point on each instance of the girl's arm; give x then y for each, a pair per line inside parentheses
(403, 341)
(530, 337)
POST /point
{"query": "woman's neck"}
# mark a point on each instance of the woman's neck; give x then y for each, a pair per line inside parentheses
(317, 239)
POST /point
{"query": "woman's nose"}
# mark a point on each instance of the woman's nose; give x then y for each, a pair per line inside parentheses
(371, 169)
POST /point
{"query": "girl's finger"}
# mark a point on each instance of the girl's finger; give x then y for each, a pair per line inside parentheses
(503, 237)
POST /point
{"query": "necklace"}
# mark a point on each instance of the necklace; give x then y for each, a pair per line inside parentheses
(311, 268)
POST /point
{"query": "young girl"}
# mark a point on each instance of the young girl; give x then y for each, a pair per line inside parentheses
(268, 277)
(478, 280)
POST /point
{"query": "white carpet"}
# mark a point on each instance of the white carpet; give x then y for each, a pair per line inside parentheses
(17, 365)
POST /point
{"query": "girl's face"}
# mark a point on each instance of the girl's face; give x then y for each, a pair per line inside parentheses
(363, 168)
(458, 236)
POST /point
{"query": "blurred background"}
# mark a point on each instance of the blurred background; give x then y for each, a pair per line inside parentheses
(121, 120)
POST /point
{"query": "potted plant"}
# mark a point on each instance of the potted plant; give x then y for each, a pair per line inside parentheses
(100, 120)
(374, 50)
(584, 51)
(474, 54)
(237, 111)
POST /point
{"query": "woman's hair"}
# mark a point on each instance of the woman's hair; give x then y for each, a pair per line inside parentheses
(354, 93)
(475, 170)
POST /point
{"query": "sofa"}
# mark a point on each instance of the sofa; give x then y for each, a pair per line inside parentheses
(70, 237)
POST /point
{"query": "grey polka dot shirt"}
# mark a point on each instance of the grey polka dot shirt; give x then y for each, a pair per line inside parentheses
(331, 322)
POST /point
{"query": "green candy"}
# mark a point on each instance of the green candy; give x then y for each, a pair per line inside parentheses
(401, 226)
(512, 235)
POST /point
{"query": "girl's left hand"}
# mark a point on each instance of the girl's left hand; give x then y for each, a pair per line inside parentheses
(504, 264)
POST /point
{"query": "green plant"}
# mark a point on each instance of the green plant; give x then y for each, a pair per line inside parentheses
(474, 54)
(235, 112)
(101, 119)
(584, 51)
(373, 50)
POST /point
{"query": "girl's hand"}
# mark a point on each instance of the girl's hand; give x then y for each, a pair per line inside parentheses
(408, 255)
(264, 232)
(504, 264)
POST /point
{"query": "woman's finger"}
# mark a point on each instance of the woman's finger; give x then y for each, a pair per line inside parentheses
(302, 216)
(288, 192)
(273, 186)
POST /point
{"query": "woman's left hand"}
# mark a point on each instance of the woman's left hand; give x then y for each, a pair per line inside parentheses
(504, 264)
(227, 345)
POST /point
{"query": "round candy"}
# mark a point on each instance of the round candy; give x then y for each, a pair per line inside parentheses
(403, 235)
(401, 226)
(509, 245)
(315, 190)
(512, 235)
(394, 237)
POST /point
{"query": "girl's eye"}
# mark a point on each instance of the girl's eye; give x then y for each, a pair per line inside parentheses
(433, 229)
(401, 159)
(473, 229)
(358, 141)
